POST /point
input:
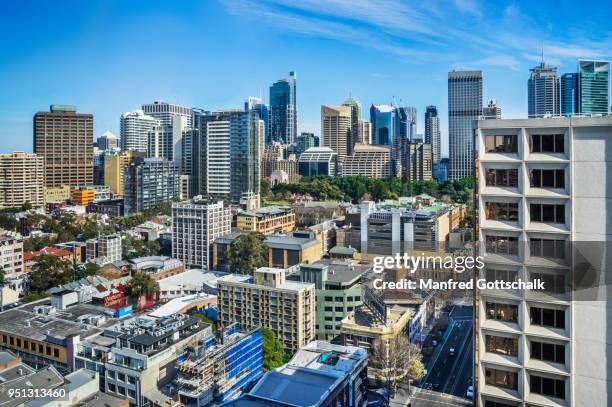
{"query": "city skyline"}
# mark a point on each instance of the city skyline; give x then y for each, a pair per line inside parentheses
(105, 65)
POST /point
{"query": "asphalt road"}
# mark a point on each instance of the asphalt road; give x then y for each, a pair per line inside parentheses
(451, 373)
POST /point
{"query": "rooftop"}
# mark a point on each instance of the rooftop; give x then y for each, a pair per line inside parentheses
(266, 211)
(294, 240)
(176, 305)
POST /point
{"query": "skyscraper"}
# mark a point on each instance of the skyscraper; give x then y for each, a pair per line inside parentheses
(432, 132)
(227, 153)
(405, 132)
(464, 106)
(491, 110)
(164, 112)
(594, 86)
(569, 94)
(134, 130)
(305, 141)
(336, 129)
(283, 106)
(382, 118)
(167, 140)
(107, 141)
(263, 111)
(543, 90)
(64, 139)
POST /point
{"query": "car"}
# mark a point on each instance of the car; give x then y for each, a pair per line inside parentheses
(434, 343)
(470, 392)
(451, 352)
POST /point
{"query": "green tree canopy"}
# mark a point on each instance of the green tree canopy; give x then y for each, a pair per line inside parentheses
(247, 253)
(140, 284)
(273, 351)
(50, 271)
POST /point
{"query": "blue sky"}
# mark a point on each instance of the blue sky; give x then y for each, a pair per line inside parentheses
(111, 56)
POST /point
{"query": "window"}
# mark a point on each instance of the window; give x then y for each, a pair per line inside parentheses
(112, 388)
(502, 312)
(56, 353)
(547, 143)
(501, 378)
(547, 178)
(327, 318)
(547, 386)
(121, 377)
(502, 211)
(501, 178)
(502, 275)
(328, 299)
(502, 245)
(547, 248)
(501, 143)
(338, 299)
(501, 345)
(490, 403)
(548, 351)
(547, 213)
(339, 309)
(554, 283)
(329, 308)
(554, 318)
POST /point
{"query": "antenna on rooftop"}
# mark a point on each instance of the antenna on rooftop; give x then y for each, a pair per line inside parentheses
(542, 52)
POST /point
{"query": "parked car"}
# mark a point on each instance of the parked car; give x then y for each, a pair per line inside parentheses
(451, 352)
(470, 392)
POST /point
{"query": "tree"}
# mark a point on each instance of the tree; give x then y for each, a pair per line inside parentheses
(391, 359)
(34, 296)
(139, 248)
(415, 369)
(247, 253)
(264, 188)
(140, 284)
(50, 271)
(273, 354)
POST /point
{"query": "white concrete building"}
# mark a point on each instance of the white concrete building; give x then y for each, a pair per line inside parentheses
(195, 226)
(543, 209)
(134, 130)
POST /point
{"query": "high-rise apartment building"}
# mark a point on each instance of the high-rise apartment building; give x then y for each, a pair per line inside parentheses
(569, 94)
(594, 86)
(114, 167)
(405, 133)
(543, 91)
(107, 141)
(134, 130)
(541, 197)
(169, 141)
(336, 124)
(195, 226)
(432, 132)
(149, 182)
(268, 299)
(363, 132)
(491, 110)
(164, 112)
(368, 161)
(263, 112)
(228, 150)
(104, 249)
(283, 109)
(64, 139)
(21, 180)
(464, 106)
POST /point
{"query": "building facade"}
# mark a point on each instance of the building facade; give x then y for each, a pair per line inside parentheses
(318, 161)
(149, 182)
(368, 161)
(195, 226)
(543, 90)
(134, 130)
(21, 180)
(541, 194)
(64, 140)
(336, 129)
(164, 112)
(464, 106)
(419, 162)
(283, 110)
(594, 86)
(433, 135)
(269, 300)
(269, 219)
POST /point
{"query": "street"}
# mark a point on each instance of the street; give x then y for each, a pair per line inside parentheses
(449, 374)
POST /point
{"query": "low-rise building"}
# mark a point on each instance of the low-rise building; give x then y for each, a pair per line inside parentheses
(111, 207)
(11, 254)
(105, 249)
(318, 161)
(84, 194)
(268, 299)
(137, 356)
(29, 258)
(157, 267)
(190, 282)
(287, 250)
(320, 374)
(57, 194)
(268, 219)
